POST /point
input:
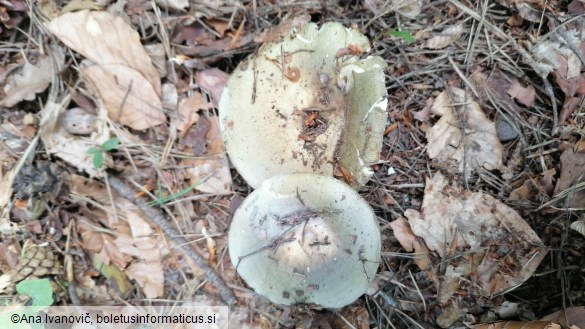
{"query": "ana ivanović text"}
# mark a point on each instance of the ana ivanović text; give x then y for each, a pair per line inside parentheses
(112, 318)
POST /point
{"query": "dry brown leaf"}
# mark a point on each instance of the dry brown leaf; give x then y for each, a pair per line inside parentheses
(91, 238)
(213, 173)
(524, 95)
(533, 187)
(445, 38)
(170, 96)
(111, 254)
(410, 242)
(212, 81)
(515, 20)
(71, 148)
(158, 55)
(569, 317)
(518, 325)
(132, 243)
(173, 4)
(105, 39)
(144, 248)
(554, 56)
(572, 173)
(500, 249)
(579, 225)
(122, 74)
(215, 143)
(126, 95)
(149, 276)
(480, 147)
(24, 85)
(187, 113)
(406, 8)
(219, 26)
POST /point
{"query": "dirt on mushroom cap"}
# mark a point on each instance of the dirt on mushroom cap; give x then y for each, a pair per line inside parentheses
(307, 104)
(297, 239)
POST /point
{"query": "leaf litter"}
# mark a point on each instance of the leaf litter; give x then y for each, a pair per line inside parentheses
(463, 137)
(124, 79)
(488, 248)
(533, 172)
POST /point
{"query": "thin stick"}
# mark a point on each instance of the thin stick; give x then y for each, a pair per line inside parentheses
(157, 217)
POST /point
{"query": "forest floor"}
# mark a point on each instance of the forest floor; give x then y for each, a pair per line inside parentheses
(479, 190)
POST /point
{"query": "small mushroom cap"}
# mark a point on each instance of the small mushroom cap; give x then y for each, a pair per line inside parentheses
(306, 238)
(306, 104)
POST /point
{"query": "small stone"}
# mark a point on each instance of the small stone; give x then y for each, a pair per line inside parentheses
(505, 129)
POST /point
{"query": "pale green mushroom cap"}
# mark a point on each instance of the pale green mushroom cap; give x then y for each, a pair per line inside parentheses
(306, 238)
(264, 108)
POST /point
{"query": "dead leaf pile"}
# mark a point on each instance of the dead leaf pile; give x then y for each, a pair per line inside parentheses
(463, 136)
(472, 243)
(563, 55)
(71, 148)
(29, 80)
(122, 78)
(124, 240)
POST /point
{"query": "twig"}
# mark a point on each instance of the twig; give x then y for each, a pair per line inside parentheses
(157, 217)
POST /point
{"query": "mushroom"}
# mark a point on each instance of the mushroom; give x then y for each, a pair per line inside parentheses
(309, 103)
(306, 238)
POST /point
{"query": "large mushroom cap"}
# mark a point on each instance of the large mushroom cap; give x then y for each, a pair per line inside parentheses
(306, 104)
(306, 238)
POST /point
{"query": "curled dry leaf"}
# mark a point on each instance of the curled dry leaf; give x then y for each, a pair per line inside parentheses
(519, 324)
(406, 8)
(556, 57)
(211, 174)
(524, 95)
(445, 38)
(501, 250)
(572, 173)
(123, 76)
(150, 277)
(571, 317)
(212, 81)
(187, 114)
(173, 4)
(158, 56)
(579, 225)
(105, 39)
(533, 187)
(32, 78)
(71, 148)
(478, 147)
(134, 242)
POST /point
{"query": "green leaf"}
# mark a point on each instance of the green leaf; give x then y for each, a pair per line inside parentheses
(110, 144)
(98, 160)
(404, 35)
(38, 289)
(93, 150)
